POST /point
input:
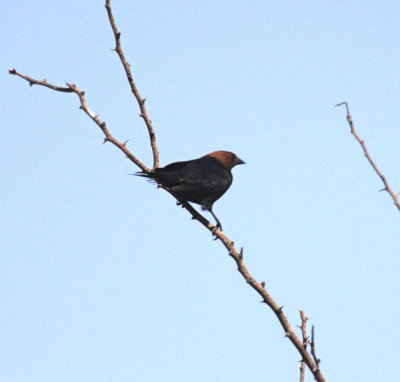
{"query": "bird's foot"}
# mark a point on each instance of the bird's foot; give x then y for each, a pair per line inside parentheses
(214, 230)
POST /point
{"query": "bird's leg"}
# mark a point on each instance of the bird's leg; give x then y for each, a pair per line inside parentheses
(218, 225)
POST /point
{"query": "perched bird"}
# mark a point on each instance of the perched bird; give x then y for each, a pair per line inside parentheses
(202, 181)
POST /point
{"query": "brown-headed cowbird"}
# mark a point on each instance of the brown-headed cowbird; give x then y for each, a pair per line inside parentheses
(202, 181)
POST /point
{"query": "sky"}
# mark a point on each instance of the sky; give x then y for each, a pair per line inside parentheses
(104, 278)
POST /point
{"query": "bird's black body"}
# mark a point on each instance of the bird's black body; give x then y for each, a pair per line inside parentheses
(202, 181)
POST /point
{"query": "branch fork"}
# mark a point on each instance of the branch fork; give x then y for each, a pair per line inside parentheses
(307, 358)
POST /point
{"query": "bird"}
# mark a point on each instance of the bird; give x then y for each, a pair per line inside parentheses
(202, 181)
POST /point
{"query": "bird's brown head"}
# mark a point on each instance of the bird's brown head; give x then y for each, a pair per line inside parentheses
(228, 159)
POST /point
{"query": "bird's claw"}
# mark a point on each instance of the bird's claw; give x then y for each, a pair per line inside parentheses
(179, 204)
(214, 230)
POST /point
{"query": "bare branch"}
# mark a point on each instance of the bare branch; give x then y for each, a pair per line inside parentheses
(305, 343)
(81, 94)
(141, 101)
(260, 289)
(103, 127)
(314, 355)
(375, 167)
(309, 360)
(44, 82)
(267, 299)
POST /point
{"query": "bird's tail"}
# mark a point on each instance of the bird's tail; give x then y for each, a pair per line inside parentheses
(144, 174)
(149, 175)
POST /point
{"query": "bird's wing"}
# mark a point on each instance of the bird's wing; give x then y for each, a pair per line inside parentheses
(201, 187)
(196, 178)
(176, 166)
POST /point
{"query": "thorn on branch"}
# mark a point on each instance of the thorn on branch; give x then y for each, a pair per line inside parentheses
(106, 139)
(263, 284)
(241, 253)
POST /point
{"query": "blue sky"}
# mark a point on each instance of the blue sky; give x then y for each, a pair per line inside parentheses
(103, 278)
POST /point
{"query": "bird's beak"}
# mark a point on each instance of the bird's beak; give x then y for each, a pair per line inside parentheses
(239, 161)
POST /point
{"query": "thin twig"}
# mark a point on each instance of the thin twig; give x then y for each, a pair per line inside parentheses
(312, 344)
(305, 343)
(44, 82)
(141, 101)
(375, 167)
(71, 88)
(103, 127)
